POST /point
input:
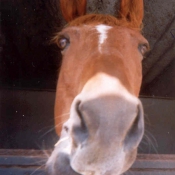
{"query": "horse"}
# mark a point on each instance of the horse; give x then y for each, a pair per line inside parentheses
(97, 111)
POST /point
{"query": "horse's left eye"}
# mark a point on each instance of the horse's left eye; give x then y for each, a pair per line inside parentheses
(62, 43)
(143, 48)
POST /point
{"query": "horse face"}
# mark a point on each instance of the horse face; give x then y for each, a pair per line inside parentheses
(99, 83)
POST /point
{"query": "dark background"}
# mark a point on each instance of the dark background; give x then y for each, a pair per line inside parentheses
(27, 58)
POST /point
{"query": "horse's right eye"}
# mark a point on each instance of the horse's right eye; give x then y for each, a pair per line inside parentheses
(143, 48)
(62, 43)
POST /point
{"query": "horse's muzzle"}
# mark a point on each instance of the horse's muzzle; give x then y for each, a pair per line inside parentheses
(101, 137)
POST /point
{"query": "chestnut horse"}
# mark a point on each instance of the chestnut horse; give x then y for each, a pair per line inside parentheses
(97, 91)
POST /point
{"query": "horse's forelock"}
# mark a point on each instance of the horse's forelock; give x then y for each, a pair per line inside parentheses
(96, 19)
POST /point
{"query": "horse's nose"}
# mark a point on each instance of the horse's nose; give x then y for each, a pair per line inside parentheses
(108, 119)
(136, 130)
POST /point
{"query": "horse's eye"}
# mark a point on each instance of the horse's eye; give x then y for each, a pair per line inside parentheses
(62, 43)
(143, 48)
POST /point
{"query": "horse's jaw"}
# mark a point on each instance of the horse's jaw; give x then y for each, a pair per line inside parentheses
(59, 162)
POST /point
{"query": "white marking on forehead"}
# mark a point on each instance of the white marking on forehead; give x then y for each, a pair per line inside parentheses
(103, 31)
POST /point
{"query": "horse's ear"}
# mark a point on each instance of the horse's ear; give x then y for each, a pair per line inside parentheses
(72, 9)
(133, 11)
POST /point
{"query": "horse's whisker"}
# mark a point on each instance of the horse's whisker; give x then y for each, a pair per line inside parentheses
(45, 128)
(47, 132)
(152, 136)
(37, 169)
(55, 125)
(65, 114)
(61, 140)
(151, 144)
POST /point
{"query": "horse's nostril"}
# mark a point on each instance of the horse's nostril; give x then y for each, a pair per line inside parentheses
(66, 128)
(79, 114)
(136, 131)
(79, 129)
(77, 108)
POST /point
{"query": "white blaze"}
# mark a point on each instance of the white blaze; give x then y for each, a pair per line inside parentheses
(103, 31)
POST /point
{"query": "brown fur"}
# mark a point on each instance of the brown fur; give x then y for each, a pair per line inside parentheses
(96, 19)
(131, 14)
(71, 9)
(132, 11)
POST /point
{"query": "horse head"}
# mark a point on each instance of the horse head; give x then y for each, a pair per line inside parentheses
(97, 111)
